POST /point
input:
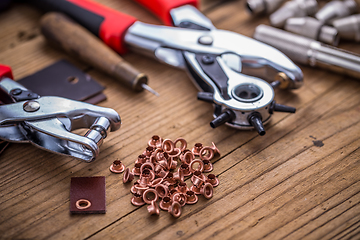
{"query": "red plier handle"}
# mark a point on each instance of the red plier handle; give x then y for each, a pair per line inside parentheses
(5, 71)
(162, 8)
(106, 23)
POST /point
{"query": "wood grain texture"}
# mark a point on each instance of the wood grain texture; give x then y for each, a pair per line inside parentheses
(299, 181)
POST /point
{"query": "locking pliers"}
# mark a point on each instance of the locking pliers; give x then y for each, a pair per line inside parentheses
(235, 73)
(47, 121)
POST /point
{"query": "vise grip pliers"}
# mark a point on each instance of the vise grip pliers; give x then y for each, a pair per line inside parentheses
(47, 121)
(235, 73)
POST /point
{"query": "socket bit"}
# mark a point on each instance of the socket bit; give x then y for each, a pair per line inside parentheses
(257, 7)
(313, 28)
(348, 27)
(336, 9)
(294, 8)
(308, 51)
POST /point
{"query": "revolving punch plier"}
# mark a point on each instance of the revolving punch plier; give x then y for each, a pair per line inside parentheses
(235, 73)
(47, 121)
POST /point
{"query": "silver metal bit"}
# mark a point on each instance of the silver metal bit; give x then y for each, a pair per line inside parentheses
(294, 8)
(148, 88)
(310, 52)
(348, 27)
(313, 28)
(336, 9)
(257, 7)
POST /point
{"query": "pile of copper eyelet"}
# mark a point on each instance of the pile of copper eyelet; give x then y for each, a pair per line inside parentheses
(162, 168)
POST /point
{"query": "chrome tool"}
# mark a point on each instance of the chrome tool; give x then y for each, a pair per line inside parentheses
(47, 121)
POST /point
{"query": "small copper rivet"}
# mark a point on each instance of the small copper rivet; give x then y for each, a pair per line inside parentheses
(150, 192)
(82, 204)
(137, 200)
(213, 180)
(175, 209)
(208, 156)
(183, 143)
(195, 189)
(216, 150)
(165, 203)
(153, 208)
(182, 187)
(185, 169)
(148, 165)
(161, 190)
(128, 176)
(154, 141)
(133, 188)
(207, 190)
(198, 179)
(191, 198)
(136, 169)
(148, 151)
(168, 146)
(188, 157)
(199, 168)
(141, 159)
(196, 149)
(180, 198)
(117, 167)
(208, 167)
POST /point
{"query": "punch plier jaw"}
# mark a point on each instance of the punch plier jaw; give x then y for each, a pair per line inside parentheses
(47, 121)
(235, 73)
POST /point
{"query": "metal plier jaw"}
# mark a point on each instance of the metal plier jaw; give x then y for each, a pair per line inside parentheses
(235, 73)
(47, 122)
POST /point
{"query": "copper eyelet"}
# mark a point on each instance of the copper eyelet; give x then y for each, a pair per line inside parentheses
(206, 153)
(196, 149)
(175, 209)
(146, 196)
(183, 143)
(128, 176)
(168, 146)
(82, 204)
(137, 200)
(199, 168)
(207, 190)
(153, 208)
(117, 167)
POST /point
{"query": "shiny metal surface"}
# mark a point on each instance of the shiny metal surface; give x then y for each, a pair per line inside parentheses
(293, 8)
(49, 126)
(238, 56)
(348, 27)
(257, 7)
(336, 9)
(310, 52)
(313, 28)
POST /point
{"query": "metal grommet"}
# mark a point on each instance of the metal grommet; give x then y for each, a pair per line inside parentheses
(82, 204)
(207, 190)
(196, 149)
(150, 190)
(128, 176)
(200, 167)
(161, 190)
(153, 208)
(117, 167)
(183, 143)
(208, 156)
(175, 209)
(167, 146)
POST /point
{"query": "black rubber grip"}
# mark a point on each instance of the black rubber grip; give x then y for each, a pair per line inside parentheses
(87, 19)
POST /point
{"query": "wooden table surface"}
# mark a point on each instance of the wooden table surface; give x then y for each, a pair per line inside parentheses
(299, 181)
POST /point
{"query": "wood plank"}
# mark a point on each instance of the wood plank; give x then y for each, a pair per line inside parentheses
(281, 185)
